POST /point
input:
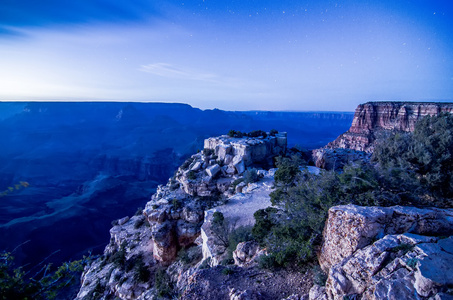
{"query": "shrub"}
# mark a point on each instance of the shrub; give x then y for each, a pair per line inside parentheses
(273, 132)
(288, 169)
(142, 272)
(251, 176)
(426, 154)
(257, 133)
(264, 221)
(45, 283)
(319, 276)
(239, 235)
(183, 256)
(162, 283)
(208, 152)
(191, 175)
(237, 181)
(206, 264)
(267, 262)
(227, 271)
(235, 134)
(187, 163)
(177, 204)
(119, 257)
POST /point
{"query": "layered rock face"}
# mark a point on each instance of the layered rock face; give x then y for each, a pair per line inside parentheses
(172, 220)
(387, 253)
(373, 121)
(372, 118)
(176, 211)
(237, 151)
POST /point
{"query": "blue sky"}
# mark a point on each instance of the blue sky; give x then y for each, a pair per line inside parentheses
(234, 55)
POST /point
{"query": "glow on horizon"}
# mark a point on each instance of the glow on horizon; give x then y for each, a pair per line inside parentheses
(231, 55)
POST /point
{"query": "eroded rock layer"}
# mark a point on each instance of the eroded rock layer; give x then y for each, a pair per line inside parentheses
(372, 118)
(387, 253)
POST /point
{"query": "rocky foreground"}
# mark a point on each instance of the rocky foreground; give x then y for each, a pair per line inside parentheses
(171, 248)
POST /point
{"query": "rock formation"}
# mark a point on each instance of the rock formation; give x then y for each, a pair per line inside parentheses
(372, 119)
(175, 215)
(176, 211)
(387, 253)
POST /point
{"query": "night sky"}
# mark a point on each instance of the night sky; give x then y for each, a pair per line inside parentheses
(234, 55)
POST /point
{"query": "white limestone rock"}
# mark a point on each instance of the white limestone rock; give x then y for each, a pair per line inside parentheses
(213, 170)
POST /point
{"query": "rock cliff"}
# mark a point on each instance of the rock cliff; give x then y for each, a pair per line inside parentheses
(387, 253)
(373, 121)
(172, 220)
(373, 118)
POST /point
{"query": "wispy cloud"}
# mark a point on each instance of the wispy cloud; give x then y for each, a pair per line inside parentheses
(172, 71)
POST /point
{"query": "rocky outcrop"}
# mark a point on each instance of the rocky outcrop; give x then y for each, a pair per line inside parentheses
(246, 253)
(238, 211)
(387, 253)
(336, 159)
(373, 119)
(125, 265)
(239, 152)
(176, 211)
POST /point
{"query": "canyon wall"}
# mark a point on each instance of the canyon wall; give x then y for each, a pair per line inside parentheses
(373, 119)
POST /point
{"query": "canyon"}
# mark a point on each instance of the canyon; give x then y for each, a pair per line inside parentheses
(80, 165)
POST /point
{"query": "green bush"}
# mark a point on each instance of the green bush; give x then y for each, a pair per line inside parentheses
(206, 264)
(250, 176)
(191, 175)
(227, 271)
(288, 169)
(237, 181)
(239, 235)
(162, 283)
(426, 156)
(208, 152)
(319, 276)
(44, 282)
(235, 134)
(141, 271)
(257, 133)
(189, 255)
(187, 163)
(119, 257)
(264, 221)
(177, 204)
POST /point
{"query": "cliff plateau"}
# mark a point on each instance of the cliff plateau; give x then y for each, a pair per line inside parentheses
(367, 252)
(372, 119)
(178, 218)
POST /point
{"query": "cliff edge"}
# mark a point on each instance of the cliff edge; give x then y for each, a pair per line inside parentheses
(372, 119)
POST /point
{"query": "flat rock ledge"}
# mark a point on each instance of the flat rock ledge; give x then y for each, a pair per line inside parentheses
(388, 253)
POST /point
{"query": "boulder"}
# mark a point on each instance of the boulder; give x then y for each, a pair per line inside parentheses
(196, 166)
(236, 294)
(245, 253)
(213, 170)
(350, 227)
(387, 252)
(317, 292)
(240, 167)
